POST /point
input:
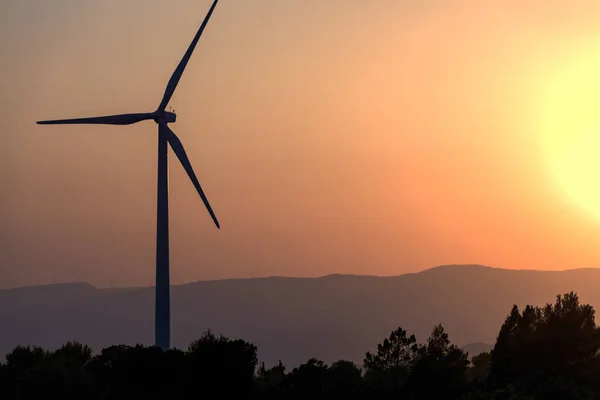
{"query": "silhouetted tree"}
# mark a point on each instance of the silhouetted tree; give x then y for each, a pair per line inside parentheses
(440, 369)
(220, 365)
(19, 364)
(125, 372)
(23, 358)
(270, 381)
(480, 367)
(553, 347)
(308, 381)
(73, 354)
(4, 381)
(503, 352)
(344, 381)
(389, 369)
(35, 373)
(396, 353)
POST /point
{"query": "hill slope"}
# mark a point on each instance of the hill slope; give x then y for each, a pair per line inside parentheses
(292, 319)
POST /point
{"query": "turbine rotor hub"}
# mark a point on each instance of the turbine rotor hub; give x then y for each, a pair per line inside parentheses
(167, 116)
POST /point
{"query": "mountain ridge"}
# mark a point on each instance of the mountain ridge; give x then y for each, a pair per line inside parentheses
(331, 317)
(332, 275)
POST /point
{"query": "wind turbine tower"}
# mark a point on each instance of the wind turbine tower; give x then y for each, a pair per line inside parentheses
(166, 137)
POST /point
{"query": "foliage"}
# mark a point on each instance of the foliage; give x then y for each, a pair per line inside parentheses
(548, 352)
(555, 347)
(480, 367)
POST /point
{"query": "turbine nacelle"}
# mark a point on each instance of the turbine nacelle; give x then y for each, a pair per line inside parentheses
(168, 116)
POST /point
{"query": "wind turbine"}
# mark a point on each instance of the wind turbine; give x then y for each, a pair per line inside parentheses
(165, 136)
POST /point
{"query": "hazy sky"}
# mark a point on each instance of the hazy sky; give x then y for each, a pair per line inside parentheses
(332, 136)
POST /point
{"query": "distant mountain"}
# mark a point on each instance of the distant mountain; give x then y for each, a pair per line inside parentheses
(292, 319)
(477, 348)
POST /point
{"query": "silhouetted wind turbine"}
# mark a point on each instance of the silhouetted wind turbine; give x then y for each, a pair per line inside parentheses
(165, 135)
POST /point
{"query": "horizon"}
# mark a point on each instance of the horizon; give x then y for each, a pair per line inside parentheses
(444, 266)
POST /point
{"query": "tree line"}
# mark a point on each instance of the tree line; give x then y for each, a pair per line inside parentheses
(548, 352)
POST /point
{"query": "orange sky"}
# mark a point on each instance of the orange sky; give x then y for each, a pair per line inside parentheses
(338, 136)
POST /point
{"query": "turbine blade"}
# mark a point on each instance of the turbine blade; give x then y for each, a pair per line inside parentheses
(121, 119)
(182, 64)
(179, 151)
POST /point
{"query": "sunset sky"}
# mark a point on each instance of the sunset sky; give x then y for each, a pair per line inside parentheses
(333, 136)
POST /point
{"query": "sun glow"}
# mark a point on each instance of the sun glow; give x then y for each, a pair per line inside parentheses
(569, 127)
